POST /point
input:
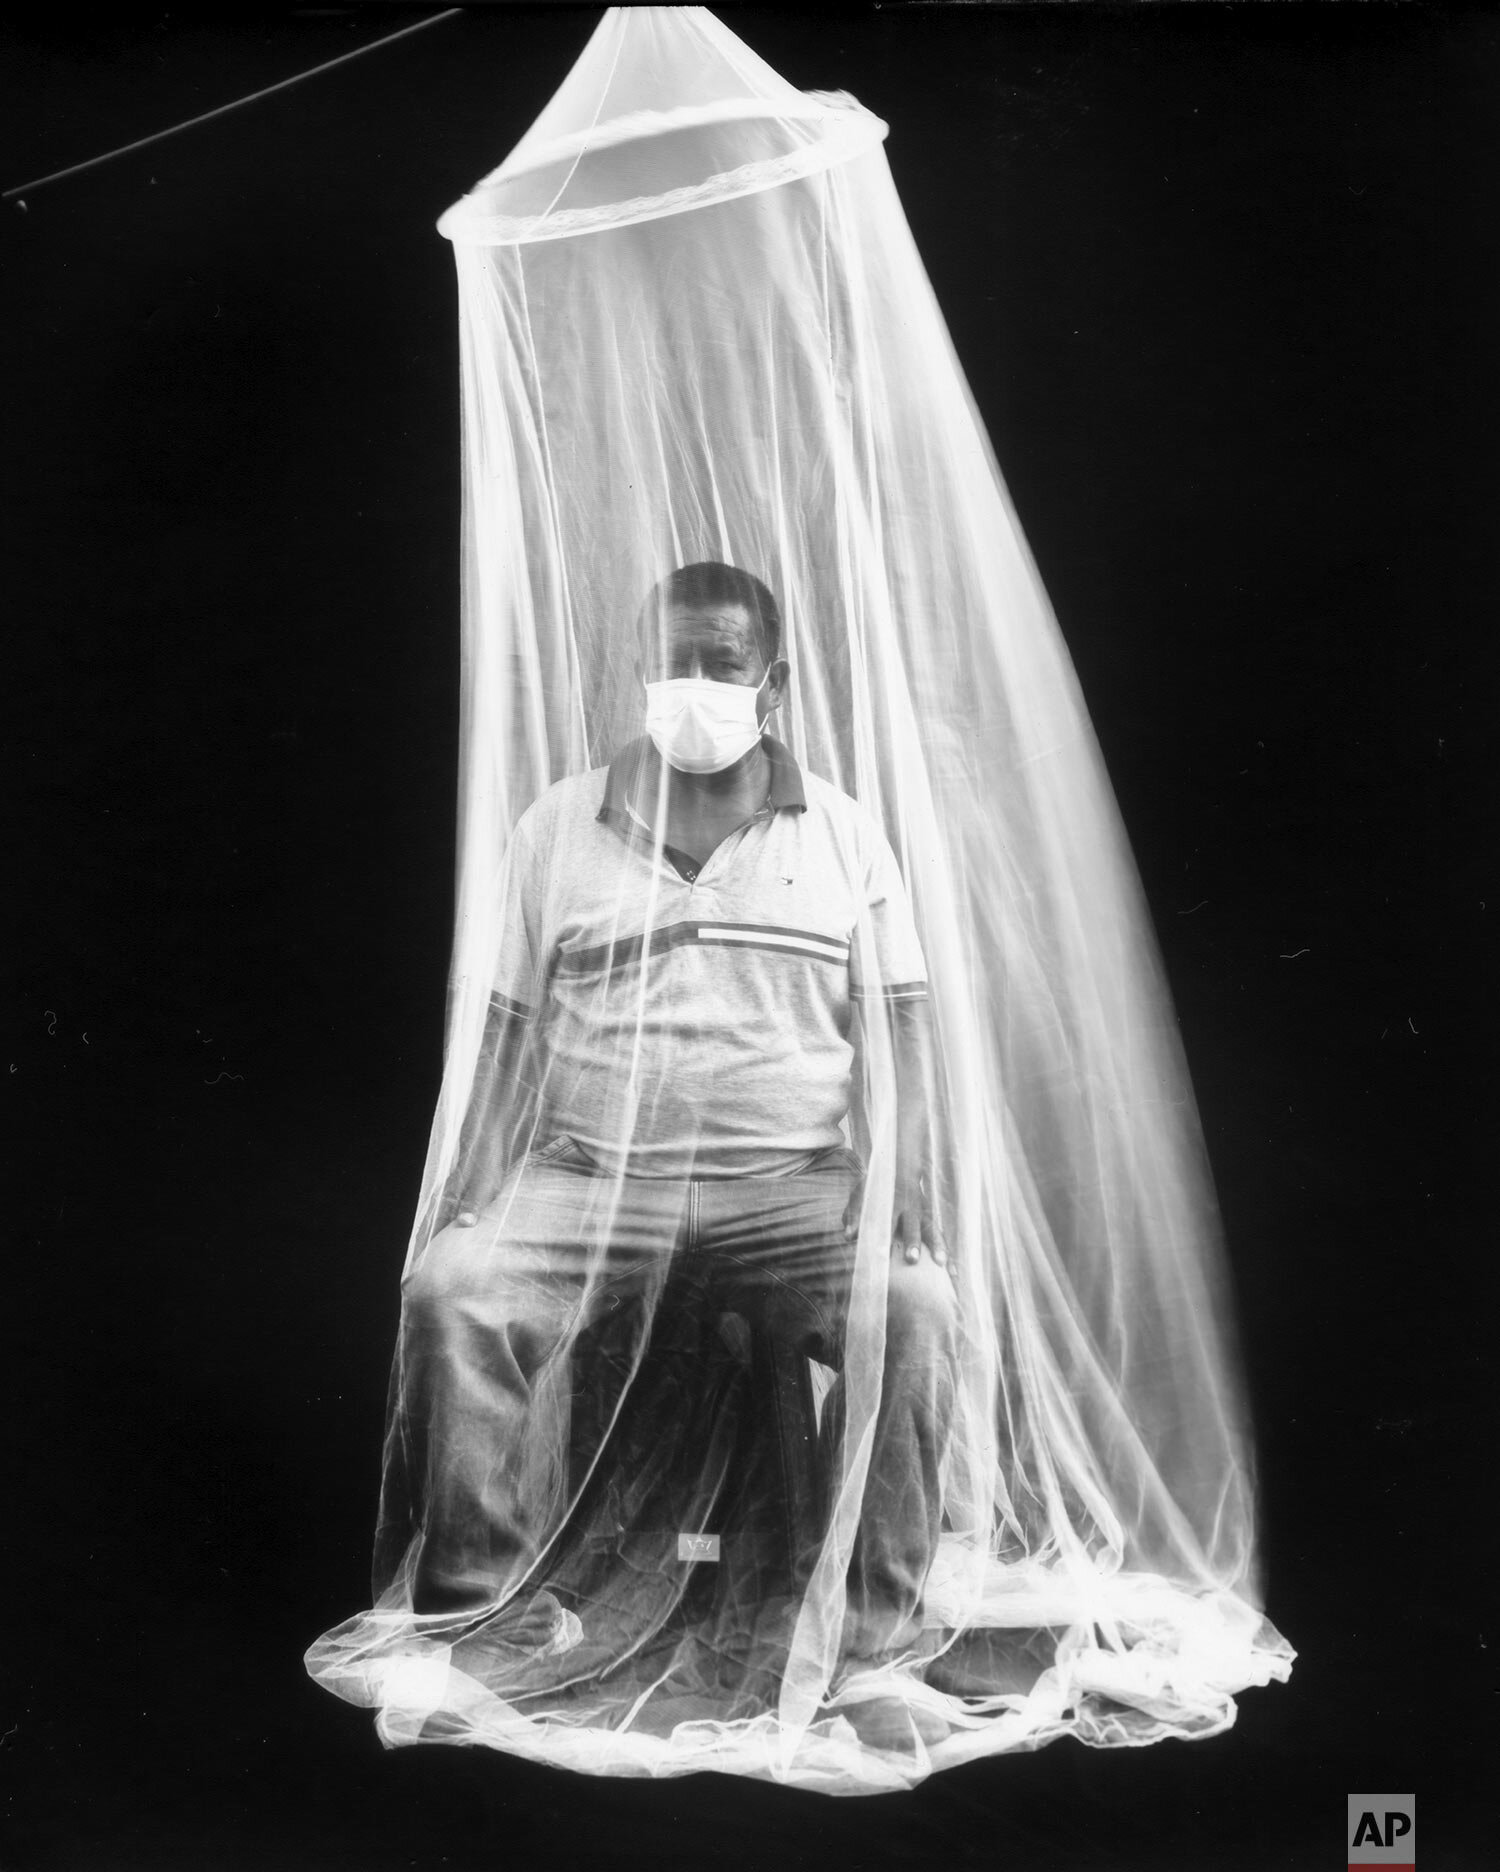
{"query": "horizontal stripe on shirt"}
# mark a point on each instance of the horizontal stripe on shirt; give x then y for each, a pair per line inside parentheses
(503, 1004)
(626, 951)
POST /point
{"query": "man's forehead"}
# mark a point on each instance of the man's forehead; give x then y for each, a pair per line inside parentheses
(724, 620)
(727, 629)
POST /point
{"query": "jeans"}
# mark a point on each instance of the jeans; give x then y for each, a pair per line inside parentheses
(486, 1385)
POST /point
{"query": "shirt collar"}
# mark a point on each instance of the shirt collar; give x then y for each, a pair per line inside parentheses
(639, 759)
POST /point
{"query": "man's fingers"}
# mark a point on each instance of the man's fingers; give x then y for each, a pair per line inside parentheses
(911, 1232)
(852, 1211)
(908, 1237)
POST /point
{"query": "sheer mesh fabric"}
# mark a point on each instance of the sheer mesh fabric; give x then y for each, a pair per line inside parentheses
(687, 1466)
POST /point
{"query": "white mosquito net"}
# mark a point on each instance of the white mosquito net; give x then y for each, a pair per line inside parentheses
(813, 1358)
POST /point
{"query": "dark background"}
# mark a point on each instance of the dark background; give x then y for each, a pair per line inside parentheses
(1224, 281)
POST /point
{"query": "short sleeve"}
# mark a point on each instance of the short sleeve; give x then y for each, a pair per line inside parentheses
(886, 961)
(514, 986)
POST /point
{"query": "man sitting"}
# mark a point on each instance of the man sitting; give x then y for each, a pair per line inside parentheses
(695, 941)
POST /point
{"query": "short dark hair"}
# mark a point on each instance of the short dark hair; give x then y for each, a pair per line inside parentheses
(711, 583)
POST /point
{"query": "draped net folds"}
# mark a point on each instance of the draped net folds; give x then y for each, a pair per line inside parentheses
(687, 1466)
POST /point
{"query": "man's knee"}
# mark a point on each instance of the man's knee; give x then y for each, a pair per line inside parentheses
(921, 1308)
(470, 1276)
(440, 1278)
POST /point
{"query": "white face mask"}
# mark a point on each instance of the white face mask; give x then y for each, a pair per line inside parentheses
(702, 726)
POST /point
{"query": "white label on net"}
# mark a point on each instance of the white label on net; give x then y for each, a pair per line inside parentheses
(697, 1546)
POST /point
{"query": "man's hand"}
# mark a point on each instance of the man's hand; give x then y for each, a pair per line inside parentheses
(915, 1226)
(456, 1209)
(914, 1220)
(495, 1123)
(465, 1201)
(914, 1223)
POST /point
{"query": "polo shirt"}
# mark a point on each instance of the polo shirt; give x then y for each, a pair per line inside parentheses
(696, 1022)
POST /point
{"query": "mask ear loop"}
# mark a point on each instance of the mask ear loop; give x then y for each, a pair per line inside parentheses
(774, 708)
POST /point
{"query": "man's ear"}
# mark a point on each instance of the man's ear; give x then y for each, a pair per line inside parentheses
(777, 677)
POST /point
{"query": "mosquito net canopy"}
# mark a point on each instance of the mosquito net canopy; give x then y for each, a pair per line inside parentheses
(813, 1357)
